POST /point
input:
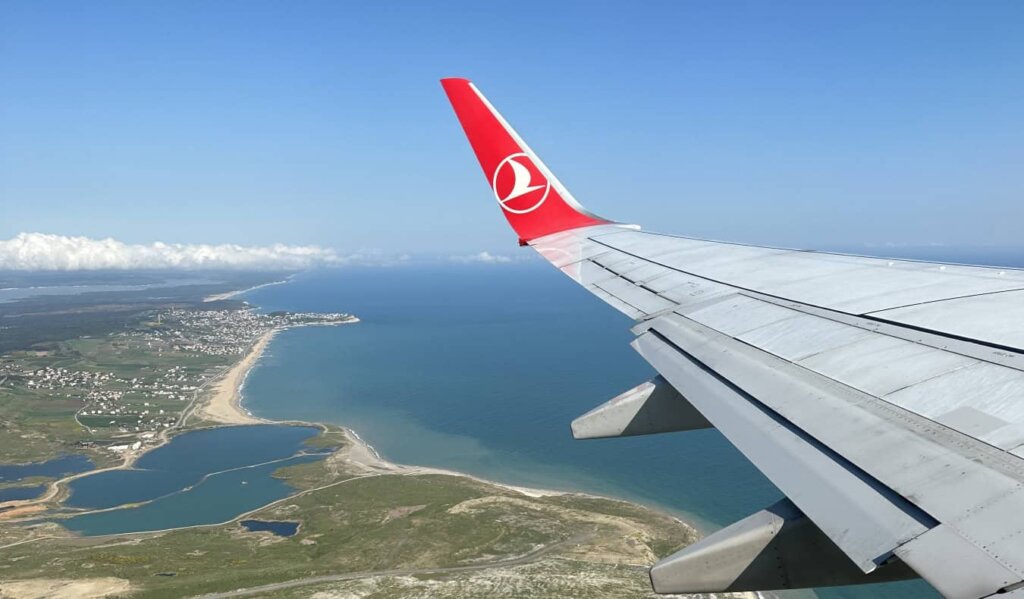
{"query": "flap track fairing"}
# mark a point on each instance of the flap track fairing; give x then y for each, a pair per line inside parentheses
(651, 407)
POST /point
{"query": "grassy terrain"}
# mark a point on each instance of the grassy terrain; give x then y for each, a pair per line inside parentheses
(379, 523)
(551, 578)
(38, 424)
(35, 426)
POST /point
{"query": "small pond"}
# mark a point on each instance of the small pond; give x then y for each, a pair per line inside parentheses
(278, 527)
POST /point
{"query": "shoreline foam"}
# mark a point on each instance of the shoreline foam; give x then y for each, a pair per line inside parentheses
(361, 453)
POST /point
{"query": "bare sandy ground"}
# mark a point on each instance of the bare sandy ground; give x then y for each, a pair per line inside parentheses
(225, 402)
(20, 512)
(55, 588)
(361, 454)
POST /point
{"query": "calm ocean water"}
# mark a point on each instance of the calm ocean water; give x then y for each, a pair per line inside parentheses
(481, 369)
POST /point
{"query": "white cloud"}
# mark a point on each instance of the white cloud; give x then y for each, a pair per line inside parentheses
(40, 251)
(481, 258)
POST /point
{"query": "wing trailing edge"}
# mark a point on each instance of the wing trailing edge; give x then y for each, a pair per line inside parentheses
(776, 548)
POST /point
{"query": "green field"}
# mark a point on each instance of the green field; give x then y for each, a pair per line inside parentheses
(37, 424)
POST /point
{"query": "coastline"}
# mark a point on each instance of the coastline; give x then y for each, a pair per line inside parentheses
(361, 454)
(224, 405)
(230, 294)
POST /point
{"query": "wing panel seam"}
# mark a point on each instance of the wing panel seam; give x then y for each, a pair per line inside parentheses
(892, 496)
(838, 315)
(945, 299)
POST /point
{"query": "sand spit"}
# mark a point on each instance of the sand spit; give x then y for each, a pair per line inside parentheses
(230, 294)
(361, 454)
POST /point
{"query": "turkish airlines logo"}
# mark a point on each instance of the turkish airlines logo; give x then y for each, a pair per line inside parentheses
(518, 184)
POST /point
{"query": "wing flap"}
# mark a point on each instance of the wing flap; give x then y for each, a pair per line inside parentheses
(954, 566)
(864, 520)
(963, 483)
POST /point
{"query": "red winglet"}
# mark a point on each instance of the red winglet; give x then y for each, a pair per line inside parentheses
(533, 200)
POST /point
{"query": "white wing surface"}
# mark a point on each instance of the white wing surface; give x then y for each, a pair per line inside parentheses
(885, 398)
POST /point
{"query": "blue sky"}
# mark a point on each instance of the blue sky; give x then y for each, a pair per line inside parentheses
(815, 124)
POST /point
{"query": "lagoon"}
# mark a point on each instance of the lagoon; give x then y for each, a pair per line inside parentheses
(199, 477)
(21, 493)
(56, 468)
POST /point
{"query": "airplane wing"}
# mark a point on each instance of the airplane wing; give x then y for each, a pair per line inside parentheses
(884, 398)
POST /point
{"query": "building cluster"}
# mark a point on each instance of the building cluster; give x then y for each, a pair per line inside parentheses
(153, 398)
(173, 384)
(104, 395)
(226, 332)
(49, 377)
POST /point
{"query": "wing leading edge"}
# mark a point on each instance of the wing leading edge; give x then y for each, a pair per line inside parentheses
(883, 397)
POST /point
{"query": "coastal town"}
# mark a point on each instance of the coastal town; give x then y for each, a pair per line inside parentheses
(138, 382)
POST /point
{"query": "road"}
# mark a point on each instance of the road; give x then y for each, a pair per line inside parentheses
(300, 582)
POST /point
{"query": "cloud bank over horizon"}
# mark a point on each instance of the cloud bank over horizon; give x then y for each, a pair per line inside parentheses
(481, 258)
(42, 251)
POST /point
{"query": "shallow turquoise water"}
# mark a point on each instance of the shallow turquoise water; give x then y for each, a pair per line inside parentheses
(481, 369)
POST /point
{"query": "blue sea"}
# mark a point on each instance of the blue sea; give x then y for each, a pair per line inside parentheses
(480, 368)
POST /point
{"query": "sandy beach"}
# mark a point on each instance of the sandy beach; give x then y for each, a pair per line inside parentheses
(361, 454)
(230, 294)
(224, 404)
